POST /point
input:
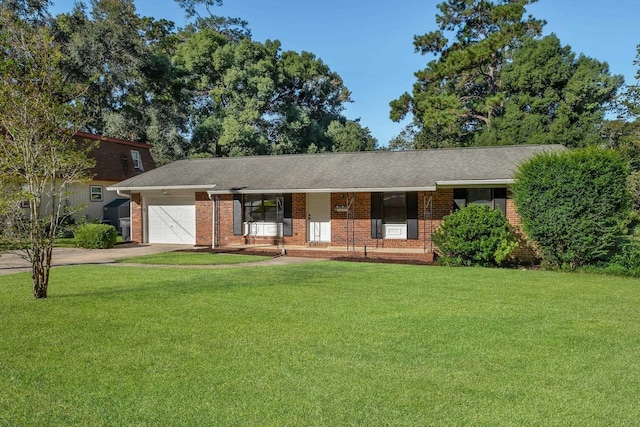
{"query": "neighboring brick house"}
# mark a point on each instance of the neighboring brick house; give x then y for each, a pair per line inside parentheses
(116, 160)
(379, 203)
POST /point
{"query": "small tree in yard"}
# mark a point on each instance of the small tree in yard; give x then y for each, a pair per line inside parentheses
(475, 235)
(39, 158)
(574, 204)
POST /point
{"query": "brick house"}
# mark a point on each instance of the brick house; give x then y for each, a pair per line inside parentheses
(375, 204)
(116, 160)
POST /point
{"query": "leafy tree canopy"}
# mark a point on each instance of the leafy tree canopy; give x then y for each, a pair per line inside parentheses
(631, 99)
(253, 98)
(205, 90)
(460, 92)
(34, 12)
(552, 96)
(499, 83)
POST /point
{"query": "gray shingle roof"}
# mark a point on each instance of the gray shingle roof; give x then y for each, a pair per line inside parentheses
(362, 171)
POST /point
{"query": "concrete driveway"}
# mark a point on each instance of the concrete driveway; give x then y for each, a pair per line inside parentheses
(10, 262)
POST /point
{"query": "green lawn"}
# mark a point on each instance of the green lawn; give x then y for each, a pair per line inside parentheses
(326, 343)
(193, 258)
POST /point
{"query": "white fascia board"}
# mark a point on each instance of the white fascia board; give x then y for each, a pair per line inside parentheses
(465, 183)
(164, 187)
(321, 190)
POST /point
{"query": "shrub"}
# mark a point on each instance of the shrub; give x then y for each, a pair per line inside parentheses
(96, 236)
(475, 235)
(574, 204)
(627, 259)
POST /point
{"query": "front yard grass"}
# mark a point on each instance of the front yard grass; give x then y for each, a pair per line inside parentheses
(193, 258)
(326, 343)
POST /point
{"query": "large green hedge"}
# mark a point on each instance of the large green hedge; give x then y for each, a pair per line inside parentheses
(574, 204)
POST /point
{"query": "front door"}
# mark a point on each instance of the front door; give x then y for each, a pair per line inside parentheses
(319, 217)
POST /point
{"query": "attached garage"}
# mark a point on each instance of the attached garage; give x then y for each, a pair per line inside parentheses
(171, 220)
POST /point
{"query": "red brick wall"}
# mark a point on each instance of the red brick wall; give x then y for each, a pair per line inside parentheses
(439, 204)
(512, 212)
(204, 219)
(225, 225)
(359, 228)
(136, 218)
(225, 221)
(299, 217)
(442, 202)
(525, 252)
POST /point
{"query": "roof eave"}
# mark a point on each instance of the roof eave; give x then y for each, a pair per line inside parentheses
(466, 183)
(161, 187)
(319, 190)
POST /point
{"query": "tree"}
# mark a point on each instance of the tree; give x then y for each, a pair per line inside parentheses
(205, 90)
(460, 93)
(574, 204)
(552, 96)
(251, 98)
(350, 136)
(233, 29)
(623, 133)
(39, 159)
(631, 99)
(624, 136)
(33, 11)
(135, 91)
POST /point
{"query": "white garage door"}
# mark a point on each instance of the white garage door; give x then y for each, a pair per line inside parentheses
(172, 220)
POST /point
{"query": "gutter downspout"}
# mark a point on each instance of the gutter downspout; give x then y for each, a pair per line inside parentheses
(121, 194)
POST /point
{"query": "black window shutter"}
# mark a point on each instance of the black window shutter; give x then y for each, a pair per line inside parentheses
(237, 215)
(376, 215)
(500, 199)
(287, 219)
(412, 214)
(459, 198)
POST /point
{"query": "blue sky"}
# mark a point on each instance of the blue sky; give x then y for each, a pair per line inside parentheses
(369, 42)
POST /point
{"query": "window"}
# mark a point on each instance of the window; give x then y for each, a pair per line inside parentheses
(262, 215)
(496, 198)
(137, 160)
(260, 208)
(95, 193)
(394, 208)
(394, 215)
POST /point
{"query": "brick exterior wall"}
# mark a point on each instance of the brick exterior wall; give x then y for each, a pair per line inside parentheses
(137, 234)
(433, 206)
(204, 219)
(299, 218)
(525, 253)
(224, 228)
(355, 231)
(224, 224)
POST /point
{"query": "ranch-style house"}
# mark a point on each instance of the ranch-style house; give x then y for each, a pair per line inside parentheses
(377, 204)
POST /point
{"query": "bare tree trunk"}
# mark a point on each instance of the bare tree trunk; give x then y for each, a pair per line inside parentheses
(40, 267)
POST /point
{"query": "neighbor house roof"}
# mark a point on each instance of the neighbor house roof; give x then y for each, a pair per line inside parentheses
(359, 172)
(113, 157)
